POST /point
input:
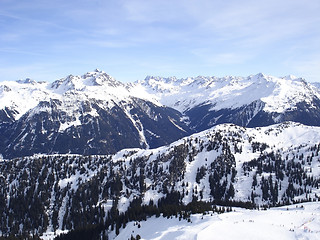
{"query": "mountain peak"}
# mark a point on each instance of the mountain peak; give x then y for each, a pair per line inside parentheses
(289, 77)
(99, 78)
(27, 81)
(261, 75)
(90, 79)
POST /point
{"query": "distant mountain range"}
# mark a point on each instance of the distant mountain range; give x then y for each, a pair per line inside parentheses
(95, 114)
(256, 100)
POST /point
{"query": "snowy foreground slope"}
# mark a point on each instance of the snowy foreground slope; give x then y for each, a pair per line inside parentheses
(301, 221)
(226, 164)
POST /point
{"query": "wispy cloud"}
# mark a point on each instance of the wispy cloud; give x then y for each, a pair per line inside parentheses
(256, 22)
(18, 51)
(149, 12)
(37, 71)
(179, 34)
(216, 58)
(306, 67)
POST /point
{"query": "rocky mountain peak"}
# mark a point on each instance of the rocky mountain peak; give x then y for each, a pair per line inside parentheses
(27, 81)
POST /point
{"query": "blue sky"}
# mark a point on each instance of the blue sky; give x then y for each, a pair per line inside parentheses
(130, 39)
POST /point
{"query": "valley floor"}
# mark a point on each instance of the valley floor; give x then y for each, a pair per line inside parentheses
(301, 221)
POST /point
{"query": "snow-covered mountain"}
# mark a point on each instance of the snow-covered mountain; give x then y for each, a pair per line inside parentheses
(89, 114)
(316, 84)
(149, 162)
(226, 164)
(18, 97)
(96, 114)
(256, 100)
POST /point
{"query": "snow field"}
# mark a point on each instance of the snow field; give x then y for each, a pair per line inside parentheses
(300, 221)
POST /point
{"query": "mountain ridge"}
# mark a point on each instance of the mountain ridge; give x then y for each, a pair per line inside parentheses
(227, 164)
(256, 100)
(88, 114)
(56, 114)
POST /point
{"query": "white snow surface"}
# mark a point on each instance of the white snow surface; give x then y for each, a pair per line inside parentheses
(300, 221)
(278, 93)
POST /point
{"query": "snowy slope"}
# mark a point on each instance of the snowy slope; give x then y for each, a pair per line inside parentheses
(236, 147)
(265, 166)
(293, 222)
(316, 84)
(20, 96)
